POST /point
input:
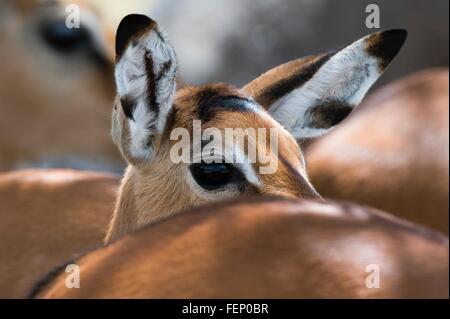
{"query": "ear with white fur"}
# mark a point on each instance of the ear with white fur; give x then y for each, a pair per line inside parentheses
(310, 96)
(145, 75)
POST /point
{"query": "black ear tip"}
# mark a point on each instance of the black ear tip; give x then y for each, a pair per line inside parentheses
(398, 35)
(386, 45)
(131, 25)
(134, 20)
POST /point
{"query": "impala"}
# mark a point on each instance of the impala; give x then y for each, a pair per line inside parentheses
(393, 153)
(47, 217)
(301, 99)
(318, 90)
(56, 87)
(265, 248)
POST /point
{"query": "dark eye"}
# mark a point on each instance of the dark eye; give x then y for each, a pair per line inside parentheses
(62, 38)
(215, 175)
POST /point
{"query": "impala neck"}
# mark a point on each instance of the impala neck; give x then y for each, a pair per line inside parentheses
(125, 214)
(145, 198)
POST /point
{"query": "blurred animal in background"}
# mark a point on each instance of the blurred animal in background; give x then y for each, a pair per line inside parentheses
(265, 248)
(47, 217)
(56, 88)
(56, 91)
(301, 99)
(393, 152)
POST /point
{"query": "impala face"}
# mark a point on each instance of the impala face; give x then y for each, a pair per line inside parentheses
(302, 99)
(51, 73)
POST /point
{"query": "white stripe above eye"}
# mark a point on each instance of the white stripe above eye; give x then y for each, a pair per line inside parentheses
(249, 172)
(237, 158)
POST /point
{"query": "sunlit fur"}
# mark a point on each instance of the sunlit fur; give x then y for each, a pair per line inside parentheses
(47, 217)
(393, 154)
(265, 248)
(154, 187)
(158, 189)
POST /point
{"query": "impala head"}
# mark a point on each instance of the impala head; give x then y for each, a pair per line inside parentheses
(299, 100)
(56, 86)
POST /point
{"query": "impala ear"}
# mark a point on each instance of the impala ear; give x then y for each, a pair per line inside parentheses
(145, 75)
(310, 96)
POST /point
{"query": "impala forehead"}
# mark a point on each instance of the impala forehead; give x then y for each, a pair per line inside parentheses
(204, 102)
(223, 107)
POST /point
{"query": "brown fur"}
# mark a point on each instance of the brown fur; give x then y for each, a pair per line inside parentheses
(54, 107)
(48, 216)
(393, 153)
(266, 248)
(157, 189)
(275, 83)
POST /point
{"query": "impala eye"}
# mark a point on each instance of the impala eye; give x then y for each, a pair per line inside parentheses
(215, 175)
(62, 38)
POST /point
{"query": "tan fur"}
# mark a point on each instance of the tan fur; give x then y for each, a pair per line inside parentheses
(159, 188)
(154, 187)
(266, 248)
(47, 217)
(258, 87)
(54, 107)
(392, 154)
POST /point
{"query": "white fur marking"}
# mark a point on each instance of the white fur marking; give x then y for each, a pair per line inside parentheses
(346, 77)
(132, 81)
